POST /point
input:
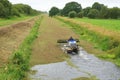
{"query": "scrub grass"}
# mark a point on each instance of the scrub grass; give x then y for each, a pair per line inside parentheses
(18, 64)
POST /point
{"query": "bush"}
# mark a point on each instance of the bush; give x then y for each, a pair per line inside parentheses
(5, 9)
(72, 14)
(93, 13)
(71, 6)
(114, 13)
(54, 11)
(80, 15)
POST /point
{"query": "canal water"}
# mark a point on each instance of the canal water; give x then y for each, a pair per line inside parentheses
(85, 65)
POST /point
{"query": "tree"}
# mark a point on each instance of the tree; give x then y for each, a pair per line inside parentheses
(71, 6)
(15, 12)
(86, 11)
(72, 14)
(23, 9)
(53, 11)
(7, 9)
(119, 13)
(114, 13)
(6, 5)
(19, 7)
(104, 12)
(97, 6)
(102, 9)
(93, 13)
(1, 10)
(27, 9)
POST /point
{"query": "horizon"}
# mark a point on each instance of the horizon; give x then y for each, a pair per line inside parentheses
(47, 5)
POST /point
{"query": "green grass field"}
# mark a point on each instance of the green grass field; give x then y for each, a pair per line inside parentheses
(4, 22)
(111, 24)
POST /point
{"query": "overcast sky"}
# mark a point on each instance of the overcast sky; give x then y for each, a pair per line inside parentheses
(45, 5)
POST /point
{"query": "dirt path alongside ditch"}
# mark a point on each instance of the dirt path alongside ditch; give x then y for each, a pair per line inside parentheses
(45, 49)
(11, 37)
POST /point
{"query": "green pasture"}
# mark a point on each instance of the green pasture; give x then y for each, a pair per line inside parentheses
(112, 24)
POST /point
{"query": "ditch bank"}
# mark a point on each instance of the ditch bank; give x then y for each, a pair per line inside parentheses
(108, 43)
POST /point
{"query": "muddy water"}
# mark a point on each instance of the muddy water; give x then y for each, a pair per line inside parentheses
(85, 65)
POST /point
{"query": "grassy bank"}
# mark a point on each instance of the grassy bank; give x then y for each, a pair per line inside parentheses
(4, 22)
(111, 24)
(19, 61)
(109, 45)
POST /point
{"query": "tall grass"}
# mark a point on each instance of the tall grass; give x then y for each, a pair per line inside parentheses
(105, 43)
(19, 62)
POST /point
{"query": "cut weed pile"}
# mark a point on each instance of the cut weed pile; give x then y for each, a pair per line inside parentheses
(18, 63)
(45, 48)
(107, 42)
(11, 37)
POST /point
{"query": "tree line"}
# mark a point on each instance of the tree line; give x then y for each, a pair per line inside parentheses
(97, 10)
(7, 9)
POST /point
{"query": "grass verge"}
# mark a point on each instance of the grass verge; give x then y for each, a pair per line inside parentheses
(107, 44)
(4, 22)
(18, 64)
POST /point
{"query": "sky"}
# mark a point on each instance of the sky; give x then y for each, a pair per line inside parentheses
(45, 5)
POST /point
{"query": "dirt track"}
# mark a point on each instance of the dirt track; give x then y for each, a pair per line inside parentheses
(45, 49)
(11, 37)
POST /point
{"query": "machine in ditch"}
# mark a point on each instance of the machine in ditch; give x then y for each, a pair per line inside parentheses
(69, 46)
